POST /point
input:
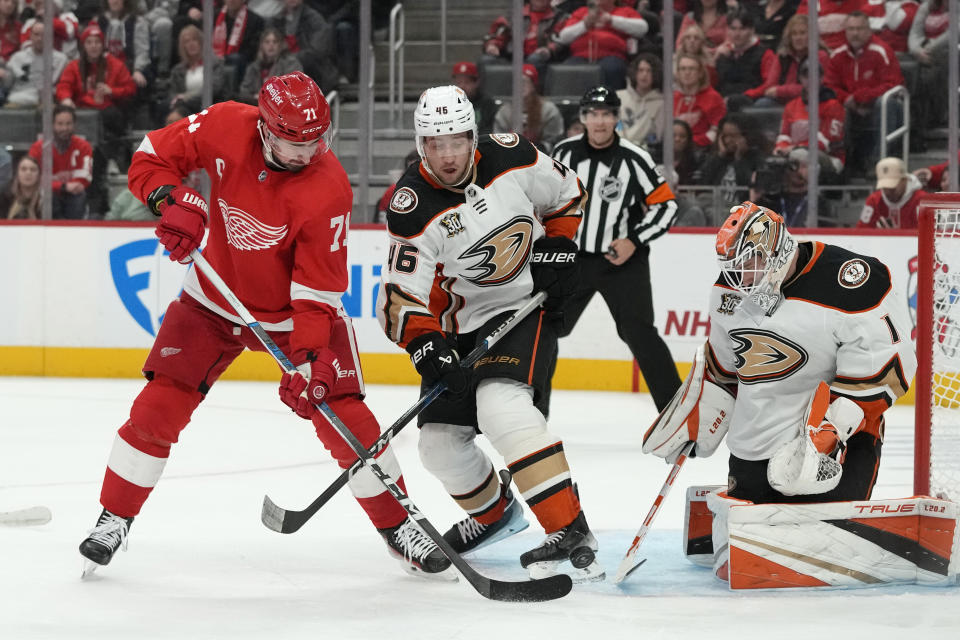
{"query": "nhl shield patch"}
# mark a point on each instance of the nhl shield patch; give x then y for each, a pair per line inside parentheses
(611, 189)
(404, 200)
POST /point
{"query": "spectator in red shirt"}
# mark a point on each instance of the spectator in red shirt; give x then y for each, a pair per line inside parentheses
(599, 34)
(795, 128)
(897, 22)
(693, 41)
(936, 177)
(791, 54)
(711, 17)
(9, 31)
(894, 204)
(859, 72)
(542, 24)
(72, 165)
(97, 80)
(832, 15)
(744, 66)
(695, 101)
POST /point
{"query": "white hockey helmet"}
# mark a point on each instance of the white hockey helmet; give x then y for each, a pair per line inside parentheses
(444, 111)
(755, 252)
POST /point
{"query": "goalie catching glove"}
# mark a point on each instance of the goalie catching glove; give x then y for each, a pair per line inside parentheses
(810, 463)
(699, 412)
(311, 383)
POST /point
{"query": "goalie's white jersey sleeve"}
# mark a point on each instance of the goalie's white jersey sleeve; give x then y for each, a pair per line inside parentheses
(841, 321)
(459, 257)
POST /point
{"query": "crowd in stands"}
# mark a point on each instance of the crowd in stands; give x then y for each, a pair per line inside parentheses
(737, 64)
(138, 64)
(741, 81)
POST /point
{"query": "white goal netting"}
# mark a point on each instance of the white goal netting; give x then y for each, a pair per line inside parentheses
(944, 432)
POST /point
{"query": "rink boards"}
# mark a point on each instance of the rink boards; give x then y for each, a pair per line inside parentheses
(86, 300)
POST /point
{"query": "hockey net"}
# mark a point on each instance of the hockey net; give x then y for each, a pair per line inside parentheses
(937, 443)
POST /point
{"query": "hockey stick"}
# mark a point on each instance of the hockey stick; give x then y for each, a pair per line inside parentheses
(550, 588)
(285, 521)
(627, 565)
(25, 517)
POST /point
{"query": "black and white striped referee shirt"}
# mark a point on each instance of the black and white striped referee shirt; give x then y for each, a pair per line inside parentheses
(628, 197)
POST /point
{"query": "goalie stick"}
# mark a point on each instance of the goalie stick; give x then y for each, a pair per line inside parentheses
(283, 520)
(627, 565)
(25, 517)
(550, 588)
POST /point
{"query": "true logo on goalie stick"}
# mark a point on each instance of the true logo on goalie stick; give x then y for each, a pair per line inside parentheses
(729, 303)
(853, 273)
(763, 356)
(404, 200)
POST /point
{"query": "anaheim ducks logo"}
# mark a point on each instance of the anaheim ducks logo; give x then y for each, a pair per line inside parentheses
(501, 255)
(246, 232)
(763, 356)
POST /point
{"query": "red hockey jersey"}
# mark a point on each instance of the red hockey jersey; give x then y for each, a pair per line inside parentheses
(832, 16)
(75, 164)
(795, 128)
(277, 238)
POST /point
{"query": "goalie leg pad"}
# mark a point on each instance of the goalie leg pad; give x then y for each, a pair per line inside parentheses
(843, 544)
(720, 503)
(698, 526)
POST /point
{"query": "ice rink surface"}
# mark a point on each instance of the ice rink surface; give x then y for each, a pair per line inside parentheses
(201, 565)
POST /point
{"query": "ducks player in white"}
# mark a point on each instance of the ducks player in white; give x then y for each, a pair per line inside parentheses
(475, 228)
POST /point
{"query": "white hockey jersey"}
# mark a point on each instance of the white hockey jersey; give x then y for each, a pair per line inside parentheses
(841, 321)
(459, 257)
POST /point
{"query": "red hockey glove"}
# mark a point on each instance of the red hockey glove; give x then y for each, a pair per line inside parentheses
(436, 360)
(183, 217)
(314, 381)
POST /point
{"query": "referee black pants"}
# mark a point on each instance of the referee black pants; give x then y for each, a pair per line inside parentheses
(626, 290)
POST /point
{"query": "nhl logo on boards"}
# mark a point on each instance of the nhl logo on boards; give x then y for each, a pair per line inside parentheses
(611, 188)
(853, 273)
(452, 223)
(728, 303)
(404, 200)
(505, 139)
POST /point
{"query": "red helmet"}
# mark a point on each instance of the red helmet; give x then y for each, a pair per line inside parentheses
(293, 108)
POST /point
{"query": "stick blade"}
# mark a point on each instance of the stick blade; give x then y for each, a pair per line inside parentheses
(273, 516)
(541, 590)
(625, 569)
(30, 517)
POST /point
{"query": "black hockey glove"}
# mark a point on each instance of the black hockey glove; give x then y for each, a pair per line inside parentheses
(553, 265)
(436, 361)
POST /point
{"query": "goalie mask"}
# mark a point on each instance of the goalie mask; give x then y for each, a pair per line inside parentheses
(442, 116)
(755, 252)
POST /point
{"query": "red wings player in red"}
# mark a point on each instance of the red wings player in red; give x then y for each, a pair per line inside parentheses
(281, 208)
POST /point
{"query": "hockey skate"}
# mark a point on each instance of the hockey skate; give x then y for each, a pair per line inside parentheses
(104, 540)
(576, 543)
(417, 553)
(468, 535)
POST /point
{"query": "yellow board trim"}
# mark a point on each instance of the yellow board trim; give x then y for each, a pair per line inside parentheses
(378, 368)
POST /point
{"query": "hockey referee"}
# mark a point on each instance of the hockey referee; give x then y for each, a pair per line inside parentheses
(629, 205)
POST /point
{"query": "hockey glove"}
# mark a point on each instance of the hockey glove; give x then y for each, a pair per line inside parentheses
(553, 265)
(183, 216)
(314, 381)
(437, 361)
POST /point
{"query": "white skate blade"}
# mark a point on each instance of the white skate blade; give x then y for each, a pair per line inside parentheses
(594, 572)
(30, 517)
(88, 568)
(447, 575)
